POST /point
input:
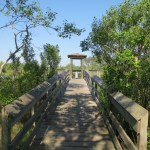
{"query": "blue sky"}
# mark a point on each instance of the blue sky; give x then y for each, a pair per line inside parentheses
(80, 12)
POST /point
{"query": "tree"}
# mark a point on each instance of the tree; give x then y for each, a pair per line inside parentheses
(51, 57)
(123, 27)
(24, 16)
(91, 63)
(121, 41)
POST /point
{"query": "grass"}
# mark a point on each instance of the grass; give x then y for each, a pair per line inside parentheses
(16, 128)
(148, 138)
(0, 138)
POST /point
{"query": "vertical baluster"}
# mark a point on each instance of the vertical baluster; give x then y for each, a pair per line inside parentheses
(32, 113)
(96, 89)
(61, 88)
(6, 133)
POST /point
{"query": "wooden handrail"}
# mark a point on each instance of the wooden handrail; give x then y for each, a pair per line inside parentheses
(120, 106)
(34, 104)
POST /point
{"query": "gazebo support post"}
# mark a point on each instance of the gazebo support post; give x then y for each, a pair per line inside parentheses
(81, 68)
(71, 67)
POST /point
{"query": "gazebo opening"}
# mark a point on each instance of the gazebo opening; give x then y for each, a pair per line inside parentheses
(76, 73)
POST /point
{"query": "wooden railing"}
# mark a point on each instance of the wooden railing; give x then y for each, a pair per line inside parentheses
(126, 120)
(30, 109)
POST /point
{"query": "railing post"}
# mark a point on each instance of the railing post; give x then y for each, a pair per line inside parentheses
(92, 88)
(95, 89)
(81, 68)
(6, 136)
(71, 67)
(142, 137)
(61, 88)
(60, 82)
(83, 74)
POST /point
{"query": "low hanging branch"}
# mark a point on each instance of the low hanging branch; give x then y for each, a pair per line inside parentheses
(25, 15)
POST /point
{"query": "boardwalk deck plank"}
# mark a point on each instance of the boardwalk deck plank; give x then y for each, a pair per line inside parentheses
(75, 124)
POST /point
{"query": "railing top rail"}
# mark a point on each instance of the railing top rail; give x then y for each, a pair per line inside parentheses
(29, 99)
(34, 106)
(122, 111)
(98, 81)
(131, 107)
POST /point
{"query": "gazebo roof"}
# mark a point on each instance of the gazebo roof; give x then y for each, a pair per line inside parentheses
(76, 56)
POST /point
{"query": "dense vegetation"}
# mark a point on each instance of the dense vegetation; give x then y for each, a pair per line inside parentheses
(16, 80)
(121, 42)
(27, 76)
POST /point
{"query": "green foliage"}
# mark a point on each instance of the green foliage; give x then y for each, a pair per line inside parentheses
(148, 139)
(30, 14)
(92, 64)
(123, 27)
(75, 67)
(121, 42)
(122, 72)
(50, 57)
(8, 91)
(28, 76)
(19, 78)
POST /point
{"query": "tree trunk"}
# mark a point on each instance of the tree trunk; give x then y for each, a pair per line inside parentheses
(2, 67)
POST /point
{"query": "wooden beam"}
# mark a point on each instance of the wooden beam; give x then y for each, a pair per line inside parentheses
(142, 135)
(71, 67)
(81, 68)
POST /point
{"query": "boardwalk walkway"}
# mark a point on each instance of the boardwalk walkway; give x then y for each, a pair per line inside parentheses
(75, 124)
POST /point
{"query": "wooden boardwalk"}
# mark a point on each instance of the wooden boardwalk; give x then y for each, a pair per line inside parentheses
(75, 124)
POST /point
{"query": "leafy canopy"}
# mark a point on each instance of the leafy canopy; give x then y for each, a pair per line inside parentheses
(121, 42)
(51, 58)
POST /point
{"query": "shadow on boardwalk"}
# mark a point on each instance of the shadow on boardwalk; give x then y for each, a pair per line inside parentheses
(74, 123)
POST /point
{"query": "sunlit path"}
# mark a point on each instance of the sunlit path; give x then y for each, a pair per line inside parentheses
(75, 124)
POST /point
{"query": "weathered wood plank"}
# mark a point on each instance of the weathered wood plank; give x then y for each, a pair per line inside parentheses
(27, 100)
(142, 136)
(6, 136)
(111, 130)
(112, 133)
(29, 124)
(127, 141)
(75, 124)
(45, 94)
(18, 108)
(132, 108)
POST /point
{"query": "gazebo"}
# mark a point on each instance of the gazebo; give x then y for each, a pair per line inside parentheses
(76, 56)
